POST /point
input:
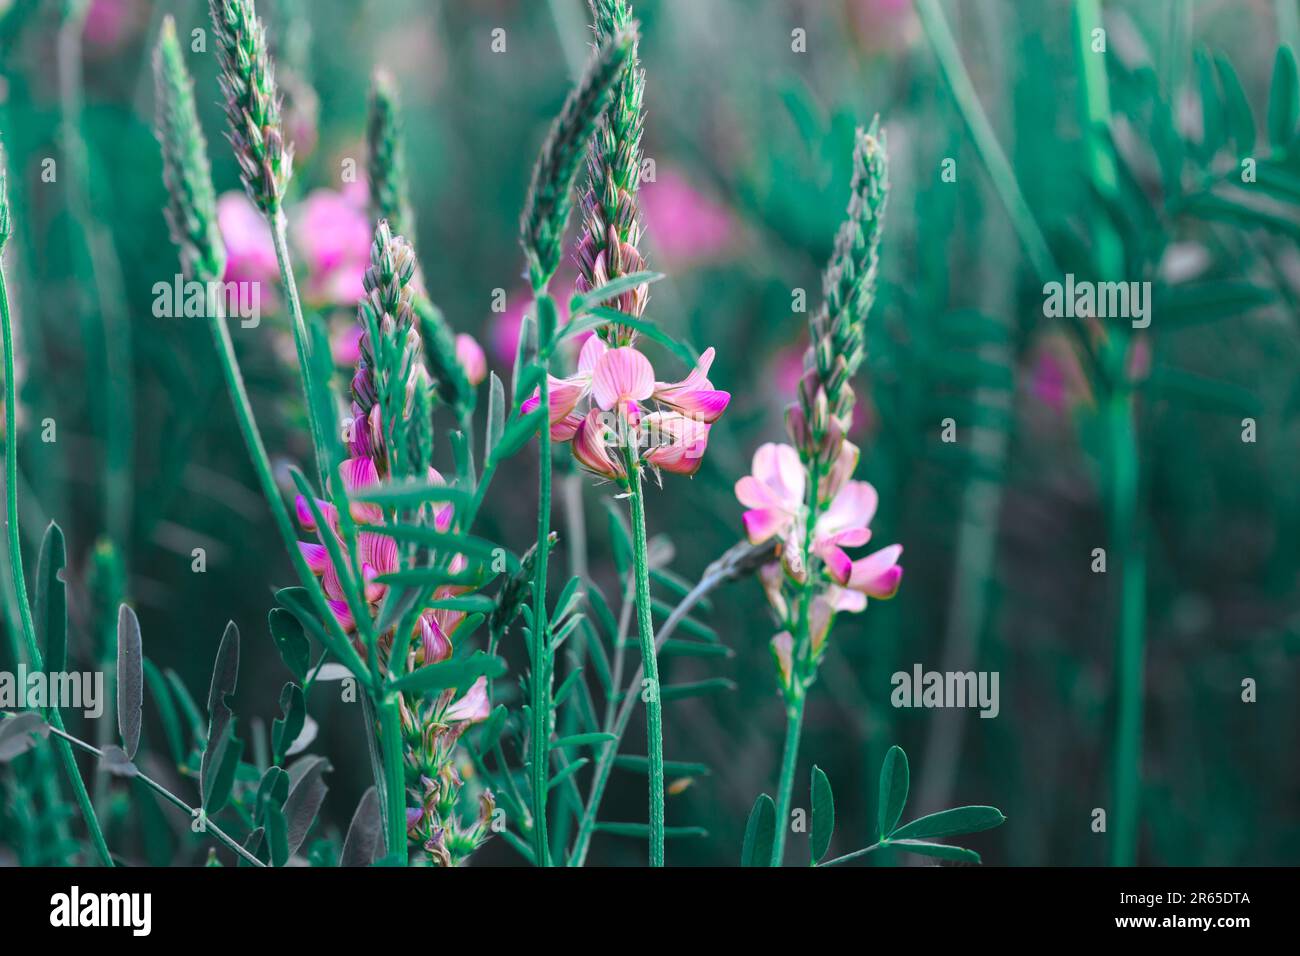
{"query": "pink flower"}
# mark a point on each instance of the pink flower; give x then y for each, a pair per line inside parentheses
(250, 253)
(774, 497)
(471, 358)
(564, 394)
(110, 23)
(622, 376)
(695, 395)
(474, 706)
(773, 494)
(677, 443)
(685, 224)
(595, 446)
(332, 231)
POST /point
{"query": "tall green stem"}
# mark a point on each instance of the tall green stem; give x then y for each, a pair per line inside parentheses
(270, 490)
(1130, 650)
(394, 764)
(789, 762)
(649, 659)
(540, 685)
(279, 235)
(19, 582)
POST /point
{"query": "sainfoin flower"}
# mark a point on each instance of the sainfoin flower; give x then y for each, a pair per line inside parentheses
(331, 230)
(775, 496)
(614, 399)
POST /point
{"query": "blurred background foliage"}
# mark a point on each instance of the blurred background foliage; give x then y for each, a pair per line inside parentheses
(752, 146)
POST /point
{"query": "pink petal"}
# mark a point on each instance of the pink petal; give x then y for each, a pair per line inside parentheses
(316, 556)
(622, 375)
(590, 355)
(878, 574)
(779, 467)
(471, 358)
(853, 507)
(342, 614)
(763, 524)
(592, 447)
(474, 706)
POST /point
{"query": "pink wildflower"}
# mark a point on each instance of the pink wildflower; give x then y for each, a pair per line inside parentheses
(687, 225)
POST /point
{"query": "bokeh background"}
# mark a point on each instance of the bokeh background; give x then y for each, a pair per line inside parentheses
(752, 147)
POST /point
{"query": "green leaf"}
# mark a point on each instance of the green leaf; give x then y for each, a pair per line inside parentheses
(306, 795)
(130, 680)
(162, 698)
(291, 641)
(362, 844)
(950, 822)
(518, 431)
(1200, 302)
(52, 600)
(490, 732)
(1239, 117)
(1213, 125)
(496, 415)
(581, 740)
(640, 763)
(272, 790)
(277, 833)
(455, 673)
(894, 782)
(615, 287)
(823, 814)
(413, 494)
(217, 772)
(650, 330)
(547, 320)
(19, 733)
(641, 831)
(940, 850)
(285, 729)
(760, 833)
(1283, 100)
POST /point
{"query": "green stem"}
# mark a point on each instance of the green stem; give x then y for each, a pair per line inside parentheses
(394, 763)
(1130, 648)
(986, 142)
(279, 235)
(19, 583)
(789, 762)
(342, 647)
(67, 740)
(540, 685)
(649, 658)
(855, 854)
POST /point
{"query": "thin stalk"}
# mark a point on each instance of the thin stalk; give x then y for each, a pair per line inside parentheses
(1130, 650)
(717, 574)
(855, 854)
(571, 489)
(986, 142)
(394, 763)
(279, 235)
(540, 685)
(801, 671)
(789, 762)
(270, 490)
(67, 740)
(19, 583)
(649, 657)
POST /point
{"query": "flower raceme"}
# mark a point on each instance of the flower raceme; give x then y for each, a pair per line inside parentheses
(606, 404)
(775, 496)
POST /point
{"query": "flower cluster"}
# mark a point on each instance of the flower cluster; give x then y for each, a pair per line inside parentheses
(603, 408)
(390, 388)
(776, 496)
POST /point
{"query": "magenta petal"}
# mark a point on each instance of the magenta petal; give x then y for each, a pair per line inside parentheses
(838, 564)
(878, 575)
(342, 614)
(762, 524)
(316, 556)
